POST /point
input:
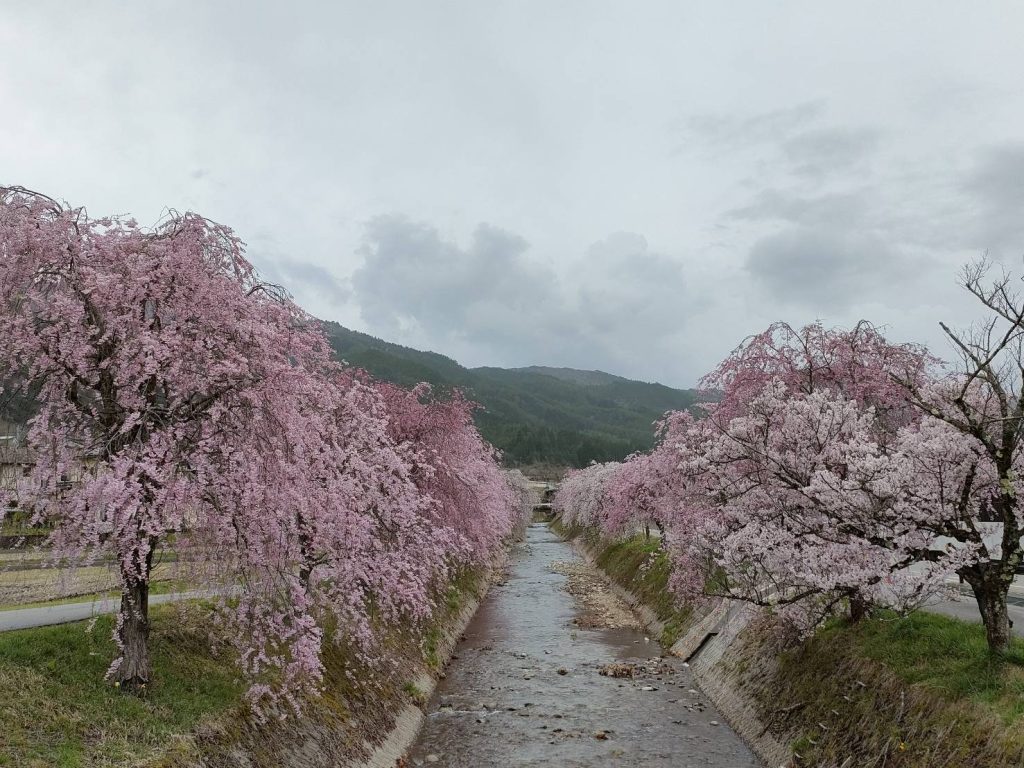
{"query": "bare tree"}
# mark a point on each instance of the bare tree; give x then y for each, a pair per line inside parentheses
(984, 399)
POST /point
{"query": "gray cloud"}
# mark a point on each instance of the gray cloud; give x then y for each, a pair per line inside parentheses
(826, 152)
(492, 297)
(825, 269)
(312, 279)
(624, 288)
(815, 180)
(412, 276)
(840, 209)
(841, 222)
(996, 187)
(731, 131)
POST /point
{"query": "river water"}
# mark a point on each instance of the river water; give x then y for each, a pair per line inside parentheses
(525, 688)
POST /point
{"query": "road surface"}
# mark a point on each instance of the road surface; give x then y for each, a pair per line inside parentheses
(24, 618)
(966, 608)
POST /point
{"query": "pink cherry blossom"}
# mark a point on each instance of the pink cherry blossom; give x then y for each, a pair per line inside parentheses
(209, 418)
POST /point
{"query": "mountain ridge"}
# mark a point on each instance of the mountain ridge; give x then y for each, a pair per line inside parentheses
(576, 375)
(535, 414)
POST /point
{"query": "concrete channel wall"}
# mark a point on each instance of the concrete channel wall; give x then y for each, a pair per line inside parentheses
(409, 719)
(705, 646)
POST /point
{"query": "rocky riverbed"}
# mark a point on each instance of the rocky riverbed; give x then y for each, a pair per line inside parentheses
(555, 670)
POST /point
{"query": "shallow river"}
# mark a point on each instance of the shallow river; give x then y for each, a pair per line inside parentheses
(525, 688)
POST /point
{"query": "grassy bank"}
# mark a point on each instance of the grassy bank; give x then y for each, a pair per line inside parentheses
(640, 566)
(356, 709)
(58, 711)
(918, 691)
(946, 655)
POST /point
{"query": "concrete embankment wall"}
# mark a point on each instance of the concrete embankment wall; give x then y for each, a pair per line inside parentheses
(409, 718)
(708, 635)
(408, 715)
(820, 702)
(368, 715)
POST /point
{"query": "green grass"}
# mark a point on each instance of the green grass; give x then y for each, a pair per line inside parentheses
(944, 654)
(89, 597)
(16, 523)
(463, 587)
(20, 529)
(641, 566)
(413, 692)
(41, 557)
(588, 536)
(57, 710)
(919, 691)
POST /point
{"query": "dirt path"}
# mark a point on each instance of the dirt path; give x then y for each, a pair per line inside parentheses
(555, 671)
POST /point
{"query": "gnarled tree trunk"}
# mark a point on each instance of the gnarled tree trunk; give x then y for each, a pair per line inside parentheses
(859, 607)
(990, 591)
(133, 672)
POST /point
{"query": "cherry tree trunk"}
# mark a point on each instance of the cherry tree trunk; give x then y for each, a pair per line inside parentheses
(133, 673)
(859, 607)
(991, 596)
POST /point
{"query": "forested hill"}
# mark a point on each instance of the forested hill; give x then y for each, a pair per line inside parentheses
(534, 415)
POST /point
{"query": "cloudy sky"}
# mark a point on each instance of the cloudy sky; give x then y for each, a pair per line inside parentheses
(630, 186)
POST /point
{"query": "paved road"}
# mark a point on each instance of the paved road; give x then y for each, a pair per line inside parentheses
(967, 609)
(23, 618)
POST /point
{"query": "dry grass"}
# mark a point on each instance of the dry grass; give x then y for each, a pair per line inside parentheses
(57, 711)
(41, 586)
(920, 691)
